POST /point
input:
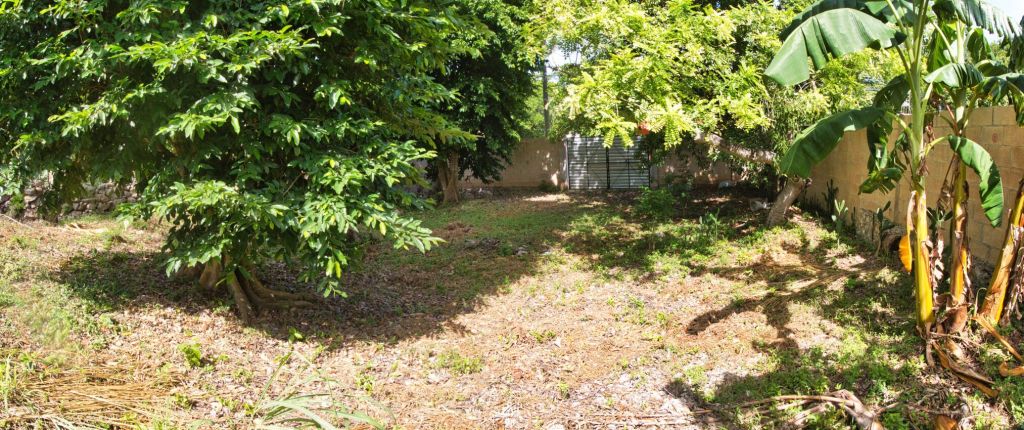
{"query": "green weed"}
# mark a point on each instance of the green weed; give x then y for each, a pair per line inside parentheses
(459, 364)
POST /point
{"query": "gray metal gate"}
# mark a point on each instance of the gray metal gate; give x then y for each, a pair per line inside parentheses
(592, 166)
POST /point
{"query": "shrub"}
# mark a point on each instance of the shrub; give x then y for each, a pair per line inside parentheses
(657, 203)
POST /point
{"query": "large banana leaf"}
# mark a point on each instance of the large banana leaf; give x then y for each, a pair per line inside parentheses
(904, 8)
(977, 13)
(833, 33)
(878, 8)
(818, 8)
(978, 45)
(939, 52)
(1016, 49)
(815, 143)
(991, 185)
(991, 68)
(956, 75)
(894, 94)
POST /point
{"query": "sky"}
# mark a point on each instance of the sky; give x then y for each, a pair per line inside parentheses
(1014, 8)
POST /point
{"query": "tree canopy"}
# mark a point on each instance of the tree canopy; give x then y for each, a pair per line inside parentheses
(494, 90)
(261, 129)
(686, 68)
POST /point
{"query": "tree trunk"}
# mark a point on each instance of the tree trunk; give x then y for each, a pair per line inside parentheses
(959, 270)
(718, 142)
(995, 299)
(922, 264)
(788, 195)
(448, 177)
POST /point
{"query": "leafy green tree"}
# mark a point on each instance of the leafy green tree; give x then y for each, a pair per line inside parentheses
(257, 130)
(494, 90)
(690, 72)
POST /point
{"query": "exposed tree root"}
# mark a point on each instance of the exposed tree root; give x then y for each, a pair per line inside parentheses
(210, 275)
(245, 307)
(1006, 371)
(251, 296)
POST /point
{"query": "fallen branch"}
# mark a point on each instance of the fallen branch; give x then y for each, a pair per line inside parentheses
(866, 419)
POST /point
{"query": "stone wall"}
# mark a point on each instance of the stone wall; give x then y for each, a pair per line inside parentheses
(993, 128)
(102, 197)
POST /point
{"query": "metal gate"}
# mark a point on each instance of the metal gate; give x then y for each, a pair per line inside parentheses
(593, 166)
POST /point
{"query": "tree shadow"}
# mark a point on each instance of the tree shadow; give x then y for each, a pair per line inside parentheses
(392, 295)
(624, 241)
(878, 357)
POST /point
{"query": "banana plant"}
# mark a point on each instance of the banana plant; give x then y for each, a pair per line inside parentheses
(963, 64)
(916, 30)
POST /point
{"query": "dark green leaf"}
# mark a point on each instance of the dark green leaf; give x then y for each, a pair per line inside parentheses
(956, 75)
(815, 143)
(990, 186)
(977, 13)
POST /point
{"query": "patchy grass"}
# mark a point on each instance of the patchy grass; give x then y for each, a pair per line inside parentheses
(537, 309)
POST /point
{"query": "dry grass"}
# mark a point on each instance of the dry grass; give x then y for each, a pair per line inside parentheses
(85, 397)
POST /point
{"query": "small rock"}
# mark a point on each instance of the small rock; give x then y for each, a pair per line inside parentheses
(436, 378)
(675, 406)
(555, 426)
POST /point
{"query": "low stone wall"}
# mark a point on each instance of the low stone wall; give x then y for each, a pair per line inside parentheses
(102, 197)
(993, 128)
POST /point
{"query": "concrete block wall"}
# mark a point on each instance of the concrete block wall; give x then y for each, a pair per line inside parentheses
(534, 161)
(994, 128)
(540, 160)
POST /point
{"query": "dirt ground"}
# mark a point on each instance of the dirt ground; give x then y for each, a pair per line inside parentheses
(539, 311)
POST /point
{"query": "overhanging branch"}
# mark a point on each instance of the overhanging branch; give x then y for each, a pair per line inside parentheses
(746, 154)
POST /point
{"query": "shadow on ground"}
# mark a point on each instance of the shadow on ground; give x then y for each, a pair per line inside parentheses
(393, 295)
(879, 359)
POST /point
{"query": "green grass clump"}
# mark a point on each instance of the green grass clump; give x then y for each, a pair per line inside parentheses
(459, 364)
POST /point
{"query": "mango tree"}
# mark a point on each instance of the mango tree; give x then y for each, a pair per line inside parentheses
(917, 31)
(256, 130)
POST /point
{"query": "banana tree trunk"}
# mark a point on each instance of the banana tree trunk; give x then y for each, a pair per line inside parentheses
(961, 256)
(995, 299)
(922, 264)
